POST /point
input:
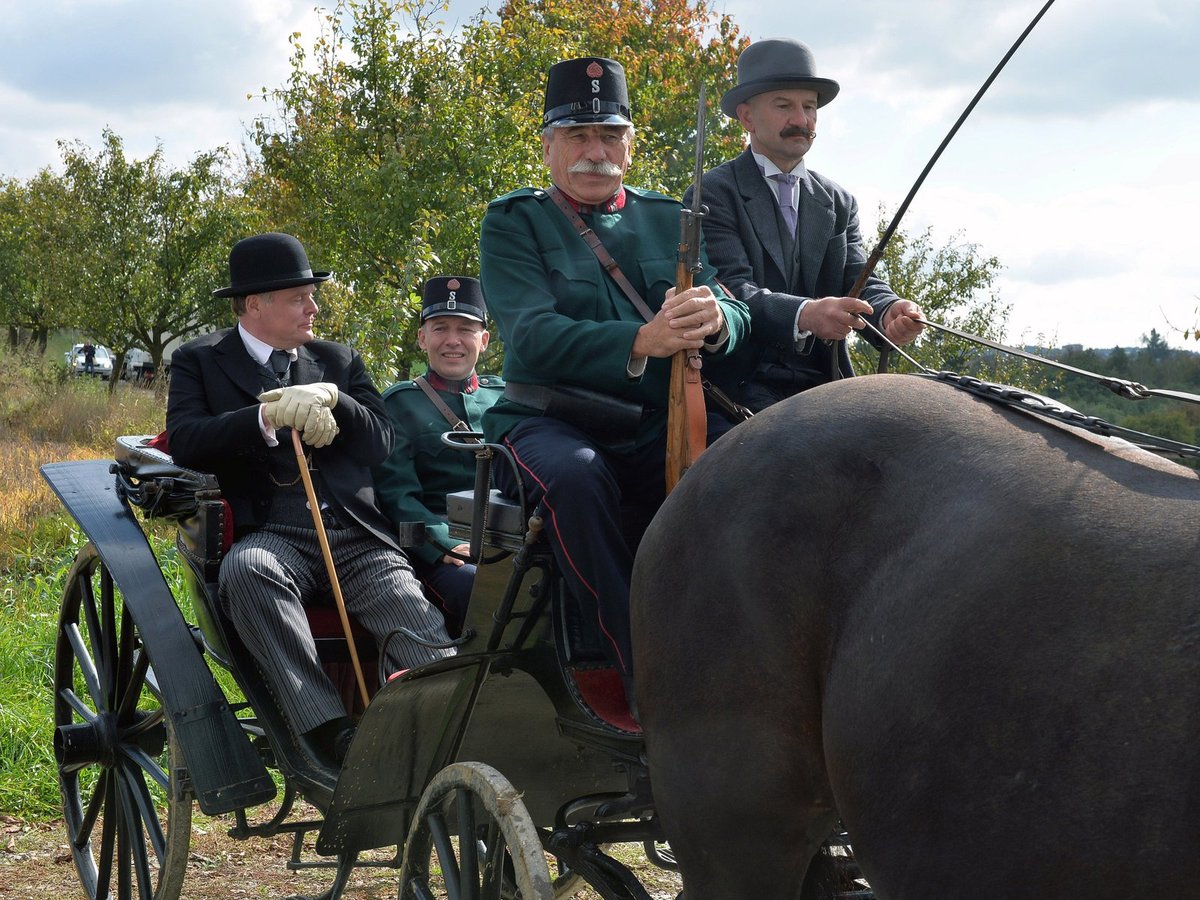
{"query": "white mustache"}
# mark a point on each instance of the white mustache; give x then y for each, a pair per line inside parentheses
(603, 167)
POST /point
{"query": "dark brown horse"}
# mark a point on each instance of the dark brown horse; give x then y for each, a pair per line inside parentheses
(973, 635)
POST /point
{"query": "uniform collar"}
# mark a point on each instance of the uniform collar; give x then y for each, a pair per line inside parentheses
(465, 386)
(613, 204)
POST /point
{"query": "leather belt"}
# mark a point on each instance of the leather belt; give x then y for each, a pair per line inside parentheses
(536, 396)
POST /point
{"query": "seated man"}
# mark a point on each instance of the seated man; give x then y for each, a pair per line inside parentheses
(220, 420)
(586, 371)
(786, 240)
(412, 484)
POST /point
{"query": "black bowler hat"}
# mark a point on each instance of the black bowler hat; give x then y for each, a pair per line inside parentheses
(453, 295)
(587, 91)
(268, 262)
(775, 65)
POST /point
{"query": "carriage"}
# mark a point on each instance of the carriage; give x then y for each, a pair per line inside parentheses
(505, 770)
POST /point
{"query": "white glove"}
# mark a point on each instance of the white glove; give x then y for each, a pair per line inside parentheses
(291, 407)
(320, 428)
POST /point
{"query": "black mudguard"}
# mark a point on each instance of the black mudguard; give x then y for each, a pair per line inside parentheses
(226, 772)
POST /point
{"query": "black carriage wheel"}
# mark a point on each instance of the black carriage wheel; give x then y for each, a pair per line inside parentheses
(127, 817)
(472, 839)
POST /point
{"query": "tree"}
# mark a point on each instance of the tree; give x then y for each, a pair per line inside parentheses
(33, 259)
(394, 135)
(952, 283)
(146, 245)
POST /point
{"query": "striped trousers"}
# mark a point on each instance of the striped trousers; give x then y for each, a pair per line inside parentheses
(271, 574)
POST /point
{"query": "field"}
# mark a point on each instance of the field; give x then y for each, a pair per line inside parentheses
(46, 416)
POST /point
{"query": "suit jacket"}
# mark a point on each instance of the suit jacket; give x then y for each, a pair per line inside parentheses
(742, 234)
(563, 319)
(212, 425)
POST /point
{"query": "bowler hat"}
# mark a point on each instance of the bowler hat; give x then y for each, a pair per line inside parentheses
(268, 262)
(773, 65)
(586, 91)
(453, 295)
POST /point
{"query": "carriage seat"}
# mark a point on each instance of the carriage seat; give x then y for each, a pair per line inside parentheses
(152, 480)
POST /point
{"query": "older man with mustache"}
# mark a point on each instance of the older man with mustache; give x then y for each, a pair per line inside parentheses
(786, 240)
(586, 372)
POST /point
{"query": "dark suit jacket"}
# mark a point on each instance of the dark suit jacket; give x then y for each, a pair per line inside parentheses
(742, 235)
(212, 425)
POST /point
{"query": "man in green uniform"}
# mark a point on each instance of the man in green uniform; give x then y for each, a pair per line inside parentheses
(412, 484)
(587, 372)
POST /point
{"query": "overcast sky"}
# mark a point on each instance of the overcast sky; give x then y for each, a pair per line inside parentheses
(1078, 170)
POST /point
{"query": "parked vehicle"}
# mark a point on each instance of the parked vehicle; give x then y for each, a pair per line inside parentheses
(102, 364)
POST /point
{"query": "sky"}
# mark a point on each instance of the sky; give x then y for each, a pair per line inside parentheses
(1079, 170)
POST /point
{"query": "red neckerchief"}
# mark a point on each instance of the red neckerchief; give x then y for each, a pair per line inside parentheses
(438, 383)
(613, 204)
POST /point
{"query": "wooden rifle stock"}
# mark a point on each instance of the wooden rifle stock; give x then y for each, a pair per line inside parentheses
(687, 431)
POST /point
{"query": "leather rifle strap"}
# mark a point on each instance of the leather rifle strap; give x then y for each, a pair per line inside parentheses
(697, 421)
(456, 424)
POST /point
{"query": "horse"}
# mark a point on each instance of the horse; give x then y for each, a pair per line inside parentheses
(970, 634)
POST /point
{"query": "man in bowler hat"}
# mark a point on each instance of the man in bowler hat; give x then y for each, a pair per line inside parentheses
(786, 240)
(234, 398)
(584, 407)
(421, 470)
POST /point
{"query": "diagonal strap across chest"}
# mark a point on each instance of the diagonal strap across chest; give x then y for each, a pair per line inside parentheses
(606, 260)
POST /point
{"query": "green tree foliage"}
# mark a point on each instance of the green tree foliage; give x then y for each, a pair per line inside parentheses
(394, 134)
(953, 284)
(146, 245)
(32, 258)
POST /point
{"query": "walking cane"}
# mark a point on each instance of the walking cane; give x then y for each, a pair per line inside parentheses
(323, 539)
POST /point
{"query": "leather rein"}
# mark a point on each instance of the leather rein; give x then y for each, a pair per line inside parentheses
(1029, 402)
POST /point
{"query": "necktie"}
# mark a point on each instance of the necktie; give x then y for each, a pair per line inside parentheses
(280, 362)
(783, 187)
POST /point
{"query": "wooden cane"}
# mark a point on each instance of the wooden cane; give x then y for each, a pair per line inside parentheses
(323, 539)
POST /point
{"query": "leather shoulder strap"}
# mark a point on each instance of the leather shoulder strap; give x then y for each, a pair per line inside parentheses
(593, 241)
(448, 414)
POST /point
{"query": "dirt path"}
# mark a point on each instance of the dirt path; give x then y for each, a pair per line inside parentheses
(35, 862)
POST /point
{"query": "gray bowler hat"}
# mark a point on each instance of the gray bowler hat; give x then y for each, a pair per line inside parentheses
(773, 65)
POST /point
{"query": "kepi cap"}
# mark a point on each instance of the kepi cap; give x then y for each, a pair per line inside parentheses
(453, 295)
(586, 91)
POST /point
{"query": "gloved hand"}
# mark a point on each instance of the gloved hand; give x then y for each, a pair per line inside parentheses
(291, 407)
(320, 428)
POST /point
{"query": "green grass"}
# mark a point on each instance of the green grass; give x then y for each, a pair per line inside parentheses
(46, 416)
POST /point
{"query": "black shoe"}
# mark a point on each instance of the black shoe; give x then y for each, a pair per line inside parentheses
(330, 741)
(342, 742)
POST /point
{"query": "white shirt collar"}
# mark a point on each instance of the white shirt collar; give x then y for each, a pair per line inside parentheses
(769, 168)
(260, 351)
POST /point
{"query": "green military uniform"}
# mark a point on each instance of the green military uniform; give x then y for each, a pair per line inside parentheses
(412, 484)
(563, 320)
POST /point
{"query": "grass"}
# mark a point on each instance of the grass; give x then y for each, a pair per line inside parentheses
(45, 416)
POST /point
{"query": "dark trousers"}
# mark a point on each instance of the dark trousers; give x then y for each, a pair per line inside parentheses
(597, 505)
(449, 588)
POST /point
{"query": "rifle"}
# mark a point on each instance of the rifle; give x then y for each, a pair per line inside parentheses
(686, 419)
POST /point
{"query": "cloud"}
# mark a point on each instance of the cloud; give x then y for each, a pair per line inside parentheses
(167, 70)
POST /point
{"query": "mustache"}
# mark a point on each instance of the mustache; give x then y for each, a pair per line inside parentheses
(797, 132)
(588, 167)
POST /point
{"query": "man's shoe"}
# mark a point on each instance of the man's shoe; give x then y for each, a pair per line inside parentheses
(341, 743)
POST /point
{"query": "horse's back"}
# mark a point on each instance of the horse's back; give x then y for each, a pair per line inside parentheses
(970, 633)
